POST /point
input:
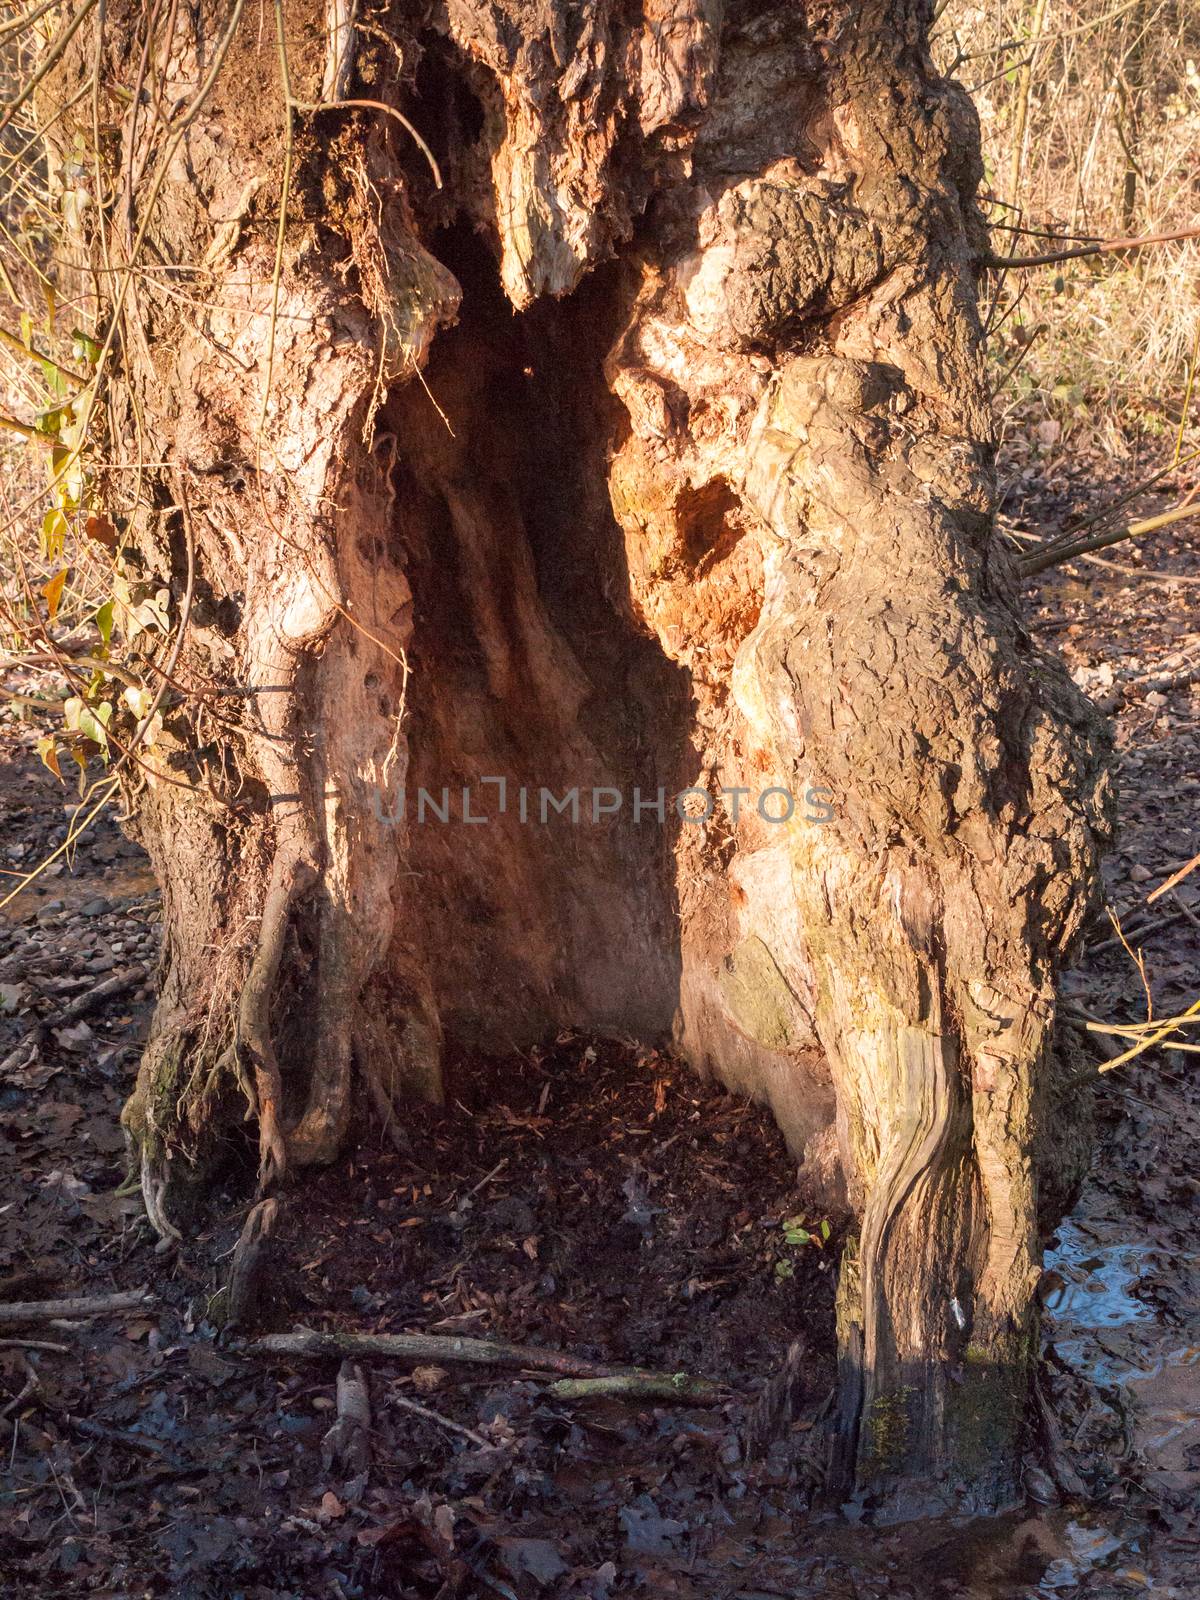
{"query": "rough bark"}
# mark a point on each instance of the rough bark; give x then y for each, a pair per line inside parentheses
(712, 511)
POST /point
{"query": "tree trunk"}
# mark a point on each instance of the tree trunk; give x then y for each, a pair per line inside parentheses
(712, 511)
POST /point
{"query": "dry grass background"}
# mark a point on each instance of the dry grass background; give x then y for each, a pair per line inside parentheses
(1090, 111)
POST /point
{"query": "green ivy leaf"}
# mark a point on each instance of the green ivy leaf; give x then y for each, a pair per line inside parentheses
(55, 381)
(85, 347)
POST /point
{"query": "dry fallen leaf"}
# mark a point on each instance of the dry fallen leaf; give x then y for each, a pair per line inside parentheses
(331, 1508)
(427, 1379)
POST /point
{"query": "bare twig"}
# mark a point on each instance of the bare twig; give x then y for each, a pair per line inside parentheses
(312, 107)
(1055, 554)
(47, 64)
(1100, 248)
(30, 1387)
(1175, 878)
(418, 1410)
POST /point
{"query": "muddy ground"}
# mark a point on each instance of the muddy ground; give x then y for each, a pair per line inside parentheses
(594, 1197)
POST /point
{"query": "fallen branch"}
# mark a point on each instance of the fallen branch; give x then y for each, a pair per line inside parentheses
(99, 1430)
(679, 1387)
(99, 1305)
(426, 1347)
(585, 1378)
(117, 984)
(1138, 931)
(16, 1059)
(1168, 681)
(35, 1344)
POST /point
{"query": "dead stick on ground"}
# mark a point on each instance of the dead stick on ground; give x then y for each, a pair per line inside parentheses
(18, 1400)
(35, 1344)
(482, 1352)
(418, 1410)
(678, 1387)
(425, 1347)
(117, 984)
(99, 1430)
(99, 1305)
(1138, 931)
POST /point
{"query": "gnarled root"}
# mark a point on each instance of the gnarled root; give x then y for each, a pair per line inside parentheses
(291, 875)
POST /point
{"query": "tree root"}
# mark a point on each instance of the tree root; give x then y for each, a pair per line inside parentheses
(291, 874)
(154, 1191)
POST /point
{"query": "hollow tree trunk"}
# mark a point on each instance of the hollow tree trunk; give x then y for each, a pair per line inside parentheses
(711, 512)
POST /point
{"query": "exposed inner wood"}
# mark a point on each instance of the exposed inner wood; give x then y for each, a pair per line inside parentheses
(651, 449)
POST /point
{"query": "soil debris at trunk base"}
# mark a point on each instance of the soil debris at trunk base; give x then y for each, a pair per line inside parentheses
(588, 1196)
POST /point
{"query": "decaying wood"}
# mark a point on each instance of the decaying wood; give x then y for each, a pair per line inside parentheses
(1061, 1470)
(720, 520)
(347, 1444)
(778, 1406)
(250, 1272)
(98, 1305)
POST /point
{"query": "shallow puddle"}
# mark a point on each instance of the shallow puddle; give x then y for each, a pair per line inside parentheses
(1098, 1281)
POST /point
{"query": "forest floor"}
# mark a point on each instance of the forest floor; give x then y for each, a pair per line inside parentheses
(592, 1197)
